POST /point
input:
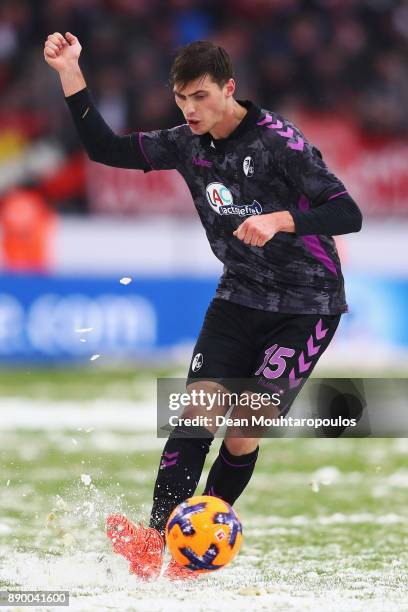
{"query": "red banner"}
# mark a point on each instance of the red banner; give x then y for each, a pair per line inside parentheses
(375, 170)
(119, 191)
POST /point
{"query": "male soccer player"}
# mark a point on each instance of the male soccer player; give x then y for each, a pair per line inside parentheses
(269, 206)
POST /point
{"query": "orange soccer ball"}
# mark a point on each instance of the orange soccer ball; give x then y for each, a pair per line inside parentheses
(203, 533)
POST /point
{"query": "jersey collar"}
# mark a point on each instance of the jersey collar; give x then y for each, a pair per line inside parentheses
(247, 124)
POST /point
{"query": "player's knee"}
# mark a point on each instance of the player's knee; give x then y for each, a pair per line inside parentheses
(208, 400)
(241, 446)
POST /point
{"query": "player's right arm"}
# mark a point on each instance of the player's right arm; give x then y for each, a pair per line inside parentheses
(140, 150)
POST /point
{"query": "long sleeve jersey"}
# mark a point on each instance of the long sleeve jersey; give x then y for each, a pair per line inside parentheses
(265, 165)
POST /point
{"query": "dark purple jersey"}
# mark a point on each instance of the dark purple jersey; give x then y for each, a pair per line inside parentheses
(265, 165)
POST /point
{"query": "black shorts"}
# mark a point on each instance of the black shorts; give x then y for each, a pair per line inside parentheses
(271, 349)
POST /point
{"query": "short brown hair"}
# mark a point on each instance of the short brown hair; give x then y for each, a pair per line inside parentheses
(201, 58)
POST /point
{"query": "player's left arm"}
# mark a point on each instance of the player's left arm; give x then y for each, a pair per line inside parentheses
(326, 207)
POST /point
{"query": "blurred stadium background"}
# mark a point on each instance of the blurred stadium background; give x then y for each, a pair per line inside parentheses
(80, 350)
(71, 229)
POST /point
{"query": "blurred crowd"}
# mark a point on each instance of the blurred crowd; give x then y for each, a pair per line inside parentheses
(346, 56)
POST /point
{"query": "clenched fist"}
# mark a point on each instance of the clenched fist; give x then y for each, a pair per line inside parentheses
(60, 52)
(258, 229)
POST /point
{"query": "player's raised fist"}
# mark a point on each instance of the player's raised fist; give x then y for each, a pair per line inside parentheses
(61, 52)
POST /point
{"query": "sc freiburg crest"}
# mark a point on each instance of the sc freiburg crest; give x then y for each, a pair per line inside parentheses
(248, 166)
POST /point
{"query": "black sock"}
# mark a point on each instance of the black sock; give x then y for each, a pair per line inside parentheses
(230, 474)
(180, 469)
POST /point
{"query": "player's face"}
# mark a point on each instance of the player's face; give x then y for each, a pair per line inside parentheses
(203, 102)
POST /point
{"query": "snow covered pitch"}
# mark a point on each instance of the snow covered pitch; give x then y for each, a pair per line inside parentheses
(325, 522)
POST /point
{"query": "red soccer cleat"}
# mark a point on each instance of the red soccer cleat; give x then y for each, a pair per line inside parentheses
(175, 571)
(141, 546)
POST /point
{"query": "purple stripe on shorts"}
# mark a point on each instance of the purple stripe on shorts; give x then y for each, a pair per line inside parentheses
(313, 244)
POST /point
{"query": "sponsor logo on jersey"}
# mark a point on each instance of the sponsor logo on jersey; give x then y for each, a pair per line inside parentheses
(220, 199)
(248, 166)
(197, 362)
